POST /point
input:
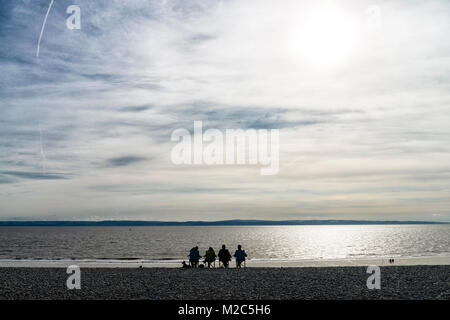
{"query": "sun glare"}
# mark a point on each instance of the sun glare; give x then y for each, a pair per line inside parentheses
(325, 37)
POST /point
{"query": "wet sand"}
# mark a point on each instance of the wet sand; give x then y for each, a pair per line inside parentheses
(397, 282)
(260, 263)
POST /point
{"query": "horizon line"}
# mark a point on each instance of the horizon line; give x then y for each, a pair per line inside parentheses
(231, 222)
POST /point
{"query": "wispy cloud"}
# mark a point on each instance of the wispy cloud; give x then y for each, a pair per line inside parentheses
(134, 108)
(33, 175)
(124, 161)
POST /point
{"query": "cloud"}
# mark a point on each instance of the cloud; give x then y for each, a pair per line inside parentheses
(33, 175)
(134, 108)
(124, 161)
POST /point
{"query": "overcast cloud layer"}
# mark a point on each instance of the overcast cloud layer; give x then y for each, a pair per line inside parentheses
(85, 127)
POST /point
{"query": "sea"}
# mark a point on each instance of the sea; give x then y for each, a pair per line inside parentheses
(262, 243)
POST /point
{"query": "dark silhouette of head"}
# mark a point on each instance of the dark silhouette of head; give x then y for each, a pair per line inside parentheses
(239, 247)
(210, 249)
(223, 246)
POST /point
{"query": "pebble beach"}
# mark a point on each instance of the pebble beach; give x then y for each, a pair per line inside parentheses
(336, 283)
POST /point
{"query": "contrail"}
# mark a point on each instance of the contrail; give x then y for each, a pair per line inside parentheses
(43, 27)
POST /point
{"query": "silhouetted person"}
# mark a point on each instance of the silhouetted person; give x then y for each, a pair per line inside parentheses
(210, 256)
(194, 257)
(224, 256)
(185, 265)
(240, 256)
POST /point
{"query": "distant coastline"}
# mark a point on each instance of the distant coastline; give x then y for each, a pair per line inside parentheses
(136, 223)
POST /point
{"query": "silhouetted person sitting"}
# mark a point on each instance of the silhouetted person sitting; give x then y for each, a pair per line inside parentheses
(240, 256)
(194, 257)
(210, 256)
(224, 256)
(185, 265)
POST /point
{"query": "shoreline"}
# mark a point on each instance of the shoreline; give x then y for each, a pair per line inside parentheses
(255, 263)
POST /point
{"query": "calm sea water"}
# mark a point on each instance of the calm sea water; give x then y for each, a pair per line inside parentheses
(266, 242)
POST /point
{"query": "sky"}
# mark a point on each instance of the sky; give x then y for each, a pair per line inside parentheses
(359, 91)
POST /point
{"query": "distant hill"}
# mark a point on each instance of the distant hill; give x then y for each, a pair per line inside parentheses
(208, 223)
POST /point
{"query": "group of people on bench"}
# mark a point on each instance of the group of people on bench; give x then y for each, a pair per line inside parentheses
(210, 257)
